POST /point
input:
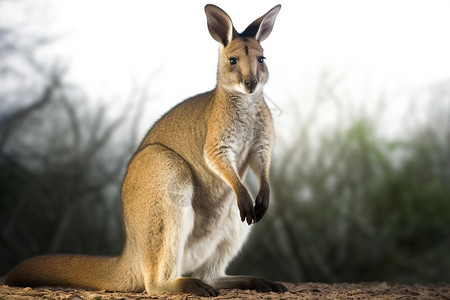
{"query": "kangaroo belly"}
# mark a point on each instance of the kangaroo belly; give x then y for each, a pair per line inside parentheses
(211, 231)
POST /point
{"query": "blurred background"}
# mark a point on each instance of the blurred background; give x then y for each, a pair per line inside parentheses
(359, 91)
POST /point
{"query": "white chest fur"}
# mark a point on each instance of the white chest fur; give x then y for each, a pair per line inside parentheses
(223, 236)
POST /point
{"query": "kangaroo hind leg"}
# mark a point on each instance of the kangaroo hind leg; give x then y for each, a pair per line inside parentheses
(157, 199)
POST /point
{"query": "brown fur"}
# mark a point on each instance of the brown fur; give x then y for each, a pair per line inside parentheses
(180, 191)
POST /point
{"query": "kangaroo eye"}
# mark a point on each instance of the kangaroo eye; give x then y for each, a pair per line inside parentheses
(261, 59)
(233, 61)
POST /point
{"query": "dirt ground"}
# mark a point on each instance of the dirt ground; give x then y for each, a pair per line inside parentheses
(373, 290)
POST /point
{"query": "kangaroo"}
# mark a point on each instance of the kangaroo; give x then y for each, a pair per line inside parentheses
(185, 205)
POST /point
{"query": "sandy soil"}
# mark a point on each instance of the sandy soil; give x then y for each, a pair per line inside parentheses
(296, 291)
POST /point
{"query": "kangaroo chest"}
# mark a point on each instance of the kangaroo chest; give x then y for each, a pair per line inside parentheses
(241, 134)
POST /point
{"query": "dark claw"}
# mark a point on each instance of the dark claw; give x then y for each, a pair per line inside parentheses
(277, 287)
(261, 204)
(246, 209)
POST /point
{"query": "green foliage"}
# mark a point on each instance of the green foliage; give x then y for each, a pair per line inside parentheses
(347, 204)
(54, 197)
(357, 207)
(60, 180)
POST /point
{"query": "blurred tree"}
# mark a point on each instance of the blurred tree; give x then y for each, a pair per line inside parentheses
(62, 158)
(348, 204)
(356, 206)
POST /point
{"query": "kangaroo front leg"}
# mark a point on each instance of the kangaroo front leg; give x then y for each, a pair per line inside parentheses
(219, 160)
(260, 164)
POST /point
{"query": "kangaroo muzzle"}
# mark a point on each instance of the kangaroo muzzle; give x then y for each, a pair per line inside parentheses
(250, 84)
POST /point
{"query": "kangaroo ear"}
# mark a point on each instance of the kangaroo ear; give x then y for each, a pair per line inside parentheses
(262, 27)
(220, 25)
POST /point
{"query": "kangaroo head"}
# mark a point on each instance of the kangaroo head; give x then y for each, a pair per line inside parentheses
(241, 66)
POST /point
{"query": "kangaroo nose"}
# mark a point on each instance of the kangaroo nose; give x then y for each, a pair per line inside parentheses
(251, 83)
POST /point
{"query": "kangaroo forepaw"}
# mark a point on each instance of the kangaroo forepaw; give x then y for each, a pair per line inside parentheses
(261, 203)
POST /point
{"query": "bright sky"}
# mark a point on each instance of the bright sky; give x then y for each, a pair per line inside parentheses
(398, 45)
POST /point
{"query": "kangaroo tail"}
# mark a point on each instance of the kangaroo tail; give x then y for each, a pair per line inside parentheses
(93, 272)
